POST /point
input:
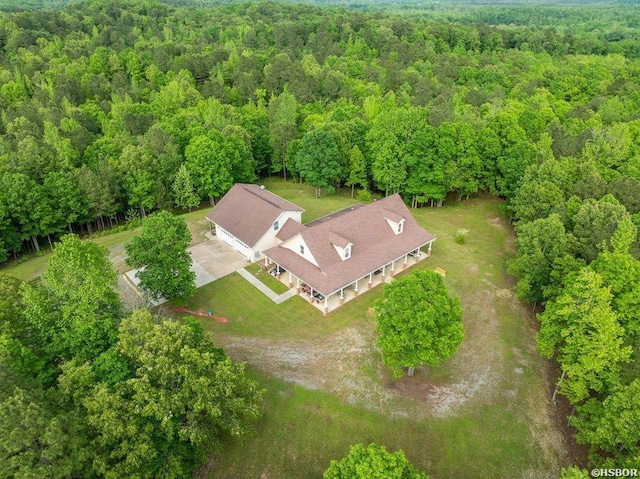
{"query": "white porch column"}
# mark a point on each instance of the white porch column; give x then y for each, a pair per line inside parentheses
(311, 297)
(419, 252)
(393, 266)
(429, 250)
(298, 284)
(342, 296)
(356, 288)
(383, 273)
(370, 279)
(406, 258)
(290, 279)
(326, 305)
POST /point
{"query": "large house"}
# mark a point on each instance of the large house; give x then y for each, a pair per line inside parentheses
(248, 218)
(338, 254)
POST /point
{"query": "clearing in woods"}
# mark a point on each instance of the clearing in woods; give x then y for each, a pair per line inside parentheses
(484, 413)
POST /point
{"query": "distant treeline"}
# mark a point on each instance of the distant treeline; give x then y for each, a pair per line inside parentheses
(104, 101)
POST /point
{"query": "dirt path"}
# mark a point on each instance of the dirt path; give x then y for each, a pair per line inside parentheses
(481, 374)
(348, 365)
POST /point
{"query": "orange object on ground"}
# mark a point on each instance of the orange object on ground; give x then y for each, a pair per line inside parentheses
(199, 313)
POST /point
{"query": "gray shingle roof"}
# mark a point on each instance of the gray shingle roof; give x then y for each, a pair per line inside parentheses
(374, 244)
(247, 211)
(290, 228)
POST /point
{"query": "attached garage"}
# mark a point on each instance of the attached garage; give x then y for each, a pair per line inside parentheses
(225, 236)
(248, 218)
(242, 249)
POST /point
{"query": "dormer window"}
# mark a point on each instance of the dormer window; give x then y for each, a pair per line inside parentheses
(301, 249)
(347, 252)
(276, 225)
(395, 222)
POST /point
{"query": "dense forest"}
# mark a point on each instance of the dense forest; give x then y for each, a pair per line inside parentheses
(111, 110)
(103, 102)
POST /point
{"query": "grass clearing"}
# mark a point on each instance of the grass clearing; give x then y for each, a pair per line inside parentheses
(265, 278)
(35, 266)
(302, 430)
(302, 195)
(484, 413)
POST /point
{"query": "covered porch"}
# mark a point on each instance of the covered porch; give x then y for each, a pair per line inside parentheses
(337, 298)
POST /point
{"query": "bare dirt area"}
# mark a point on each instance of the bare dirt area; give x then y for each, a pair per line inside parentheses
(334, 364)
(348, 365)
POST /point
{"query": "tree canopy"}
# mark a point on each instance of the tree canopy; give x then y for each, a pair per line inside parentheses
(372, 462)
(106, 104)
(86, 391)
(418, 322)
(161, 252)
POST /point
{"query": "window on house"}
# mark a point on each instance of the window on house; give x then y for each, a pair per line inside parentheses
(347, 252)
(275, 225)
(301, 249)
(400, 226)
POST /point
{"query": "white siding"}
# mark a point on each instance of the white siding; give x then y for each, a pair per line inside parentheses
(243, 249)
(269, 240)
(234, 242)
(394, 226)
(340, 250)
(294, 244)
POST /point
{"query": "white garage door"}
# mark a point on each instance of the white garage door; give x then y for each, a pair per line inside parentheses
(224, 236)
(242, 248)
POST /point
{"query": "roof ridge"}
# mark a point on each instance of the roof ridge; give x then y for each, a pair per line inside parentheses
(323, 219)
(266, 200)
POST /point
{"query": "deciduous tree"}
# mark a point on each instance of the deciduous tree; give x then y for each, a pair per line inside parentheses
(161, 253)
(418, 322)
(595, 223)
(75, 309)
(357, 170)
(610, 426)
(581, 330)
(318, 160)
(540, 243)
(183, 397)
(36, 439)
(183, 192)
(373, 462)
(209, 166)
(283, 115)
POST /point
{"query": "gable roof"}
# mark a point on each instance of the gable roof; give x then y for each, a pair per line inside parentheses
(248, 211)
(392, 215)
(374, 244)
(289, 229)
(338, 240)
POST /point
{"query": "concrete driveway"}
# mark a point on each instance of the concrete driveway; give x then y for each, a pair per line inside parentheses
(212, 259)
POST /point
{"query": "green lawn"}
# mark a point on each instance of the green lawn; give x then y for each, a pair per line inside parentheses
(505, 429)
(508, 431)
(36, 265)
(253, 314)
(300, 431)
(272, 283)
(304, 196)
